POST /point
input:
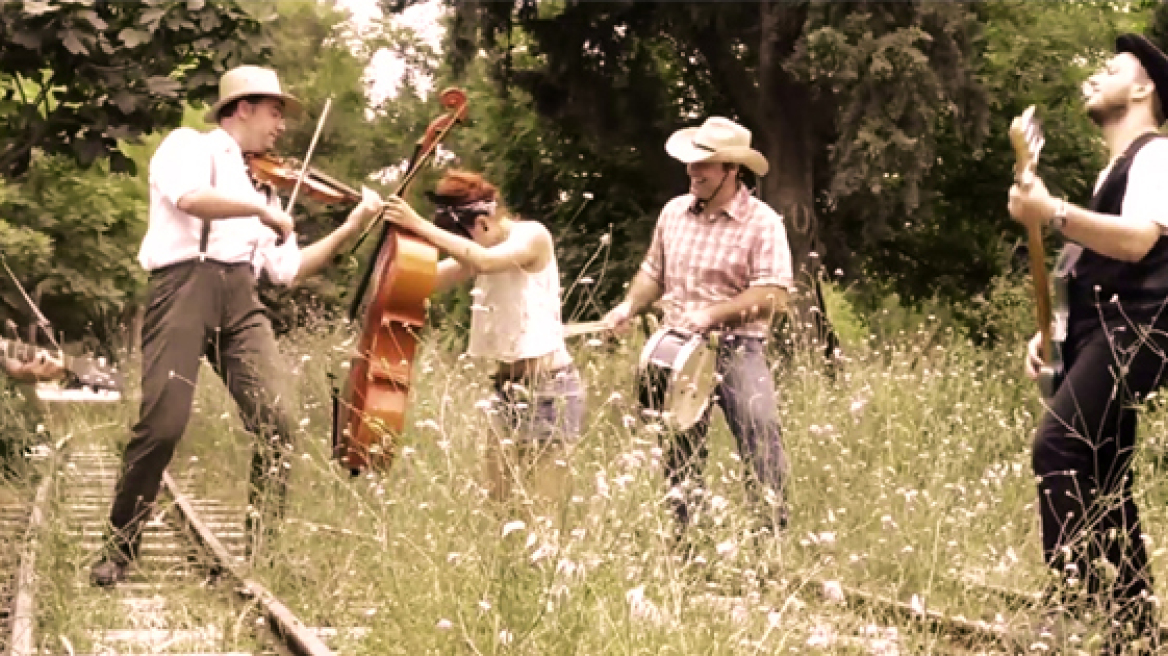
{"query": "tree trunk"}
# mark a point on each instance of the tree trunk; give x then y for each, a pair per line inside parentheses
(788, 143)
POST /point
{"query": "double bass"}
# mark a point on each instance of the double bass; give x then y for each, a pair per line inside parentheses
(390, 304)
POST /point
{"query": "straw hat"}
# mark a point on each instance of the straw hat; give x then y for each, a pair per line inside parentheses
(243, 81)
(717, 140)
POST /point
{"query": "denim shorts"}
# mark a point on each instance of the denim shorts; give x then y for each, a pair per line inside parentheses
(547, 408)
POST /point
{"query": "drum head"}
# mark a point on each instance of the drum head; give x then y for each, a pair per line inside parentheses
(692, 384)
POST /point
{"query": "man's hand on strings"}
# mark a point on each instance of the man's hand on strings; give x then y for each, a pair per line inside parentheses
(1034, 356)
(42, 367)
(278, 220)
(400, 212)
(368, 209)
(1031, 205)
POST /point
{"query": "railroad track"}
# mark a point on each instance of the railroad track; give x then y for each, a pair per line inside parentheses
(957, 632)
(190, 592)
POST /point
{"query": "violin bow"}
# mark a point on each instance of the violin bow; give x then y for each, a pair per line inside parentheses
(311, 147)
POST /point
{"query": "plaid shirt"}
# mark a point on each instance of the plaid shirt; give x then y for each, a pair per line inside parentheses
(699, 260)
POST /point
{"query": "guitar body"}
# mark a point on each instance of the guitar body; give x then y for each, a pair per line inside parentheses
(370, 414)
(1050, 376)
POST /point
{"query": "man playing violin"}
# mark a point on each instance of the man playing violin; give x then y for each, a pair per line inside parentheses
(1116, 271)
(719, 260)
(211, 234)
(538, 405)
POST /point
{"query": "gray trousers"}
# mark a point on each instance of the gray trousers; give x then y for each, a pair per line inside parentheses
(203, 309)
(746, 395)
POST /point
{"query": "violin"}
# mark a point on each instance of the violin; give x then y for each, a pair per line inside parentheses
(283, 172)
(390, 303)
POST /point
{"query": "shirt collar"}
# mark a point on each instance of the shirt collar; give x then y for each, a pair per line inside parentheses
(738, 208)
(224, 142)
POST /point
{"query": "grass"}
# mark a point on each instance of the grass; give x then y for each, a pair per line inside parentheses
(910, 475)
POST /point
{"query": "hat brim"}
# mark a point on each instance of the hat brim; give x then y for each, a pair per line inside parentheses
(1151, 58)
(680, 147)
(292, 106)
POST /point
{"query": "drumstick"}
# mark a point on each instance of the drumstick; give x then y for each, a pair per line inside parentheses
(585, 328)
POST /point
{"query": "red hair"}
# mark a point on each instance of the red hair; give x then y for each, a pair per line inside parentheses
(465, 187)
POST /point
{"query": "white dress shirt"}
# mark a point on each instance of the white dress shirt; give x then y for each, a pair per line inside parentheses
(188, 160)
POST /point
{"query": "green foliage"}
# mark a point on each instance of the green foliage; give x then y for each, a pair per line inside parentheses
(844, 99)
(318, 58)
(77, 76)
(1030, 54)
(889, 73)
(72, 235)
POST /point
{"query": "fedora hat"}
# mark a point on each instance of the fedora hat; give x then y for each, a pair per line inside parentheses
(1151, 58)
(243, 81)
(717, 140)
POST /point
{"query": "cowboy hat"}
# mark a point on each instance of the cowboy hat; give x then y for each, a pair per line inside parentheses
(243, 81)
(1151, 58)
(717, 140)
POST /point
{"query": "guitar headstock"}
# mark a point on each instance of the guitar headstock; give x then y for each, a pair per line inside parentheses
(1026, 137)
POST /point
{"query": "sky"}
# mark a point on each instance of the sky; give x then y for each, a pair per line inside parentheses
(386, 70)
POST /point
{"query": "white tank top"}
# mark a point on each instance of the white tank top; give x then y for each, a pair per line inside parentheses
(516, 314)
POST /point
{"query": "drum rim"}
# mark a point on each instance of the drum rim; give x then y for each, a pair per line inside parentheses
(652, 344)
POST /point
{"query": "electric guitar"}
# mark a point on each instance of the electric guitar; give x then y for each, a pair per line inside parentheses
(84, 371)
(1026, 137)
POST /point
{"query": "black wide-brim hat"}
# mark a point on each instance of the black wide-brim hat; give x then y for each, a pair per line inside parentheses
(1154, 61)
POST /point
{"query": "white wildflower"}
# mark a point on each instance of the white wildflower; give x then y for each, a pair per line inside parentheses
(833, 592)
(512, 526)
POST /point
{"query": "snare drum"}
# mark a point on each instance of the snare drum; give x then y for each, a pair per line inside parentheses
(677, 376)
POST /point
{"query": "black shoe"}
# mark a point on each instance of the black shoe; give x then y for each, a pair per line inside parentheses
(108, 573)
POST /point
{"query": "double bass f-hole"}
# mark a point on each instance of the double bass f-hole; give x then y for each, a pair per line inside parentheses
(390, 306)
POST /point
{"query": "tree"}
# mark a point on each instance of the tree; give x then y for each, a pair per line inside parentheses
(961, 237)
(72, 236)
(77, 76)
(80, 81)
(843, 98)
(318, 58)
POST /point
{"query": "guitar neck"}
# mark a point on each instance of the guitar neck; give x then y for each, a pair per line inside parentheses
(1041, 287)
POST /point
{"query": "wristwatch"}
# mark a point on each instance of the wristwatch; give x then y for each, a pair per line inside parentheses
(1059, 220)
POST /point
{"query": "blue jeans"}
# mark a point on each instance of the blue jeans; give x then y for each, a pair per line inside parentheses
(746, 395)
